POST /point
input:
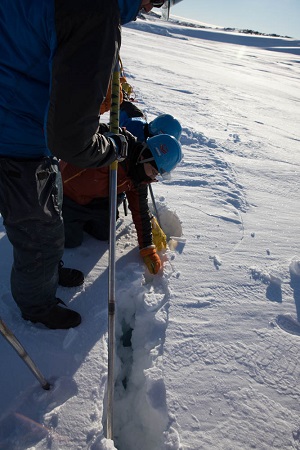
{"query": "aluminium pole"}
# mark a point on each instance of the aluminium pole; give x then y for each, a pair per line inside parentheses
(18, 347)
(113, 173)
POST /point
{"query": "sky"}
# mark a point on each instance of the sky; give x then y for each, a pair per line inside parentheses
(267, 16)
(207, 351)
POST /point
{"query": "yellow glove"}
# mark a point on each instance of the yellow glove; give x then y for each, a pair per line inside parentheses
(159, 237)
(151, 259)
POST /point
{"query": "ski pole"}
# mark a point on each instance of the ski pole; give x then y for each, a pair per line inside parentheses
(18, 347)
(166, 8)
(114, 128)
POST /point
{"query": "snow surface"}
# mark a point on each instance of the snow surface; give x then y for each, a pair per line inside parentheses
(208, 350)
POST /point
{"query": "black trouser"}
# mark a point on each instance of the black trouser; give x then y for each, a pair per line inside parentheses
(30, 204)
(92, 218)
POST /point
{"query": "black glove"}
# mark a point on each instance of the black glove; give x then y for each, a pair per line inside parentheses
(131, 140)
(120, 145)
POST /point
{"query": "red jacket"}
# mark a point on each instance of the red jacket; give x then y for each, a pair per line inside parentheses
(83, 185)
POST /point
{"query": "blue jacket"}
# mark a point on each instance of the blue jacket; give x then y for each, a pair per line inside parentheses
(134, 120)
(56, 58)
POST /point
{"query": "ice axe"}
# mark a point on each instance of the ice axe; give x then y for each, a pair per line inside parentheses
(158, 235)
(160, 238)
(154, 204)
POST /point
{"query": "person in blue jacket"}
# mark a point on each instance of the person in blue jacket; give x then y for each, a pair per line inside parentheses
(56, 60)
(135, 121)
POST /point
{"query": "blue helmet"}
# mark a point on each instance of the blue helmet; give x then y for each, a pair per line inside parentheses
(165, 124)
(166, 151)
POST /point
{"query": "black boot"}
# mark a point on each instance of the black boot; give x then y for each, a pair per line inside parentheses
(57, 318)
(69, 277)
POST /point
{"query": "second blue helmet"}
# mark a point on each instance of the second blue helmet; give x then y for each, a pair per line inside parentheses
(165, 124)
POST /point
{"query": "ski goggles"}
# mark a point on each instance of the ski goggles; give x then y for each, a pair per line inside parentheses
(158, 3)
(156, 172)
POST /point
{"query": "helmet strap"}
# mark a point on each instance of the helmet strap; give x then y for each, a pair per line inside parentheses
(142, 161)
(146, 160)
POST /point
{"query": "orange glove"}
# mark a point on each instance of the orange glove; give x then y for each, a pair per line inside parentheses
(151, 259)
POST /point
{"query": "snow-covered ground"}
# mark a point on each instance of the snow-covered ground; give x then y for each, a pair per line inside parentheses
(202, 359)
